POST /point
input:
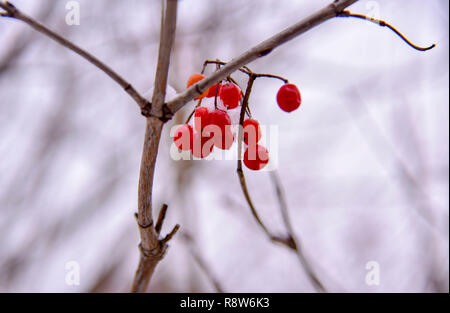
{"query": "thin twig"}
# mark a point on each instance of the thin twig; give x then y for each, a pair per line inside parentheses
(199, 103)
(170, 235)
(12, 12)
(272, 76)
(382, 23)
(190, 115)
(244, 69)
(161, 217)
(217, 87)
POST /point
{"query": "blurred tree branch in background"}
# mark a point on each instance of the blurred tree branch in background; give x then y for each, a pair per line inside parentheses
(12, 12)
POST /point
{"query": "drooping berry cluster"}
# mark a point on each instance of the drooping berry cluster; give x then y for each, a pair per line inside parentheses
(212, 122)
(215, 118)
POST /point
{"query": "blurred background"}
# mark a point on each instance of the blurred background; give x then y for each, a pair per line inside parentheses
(364, 162)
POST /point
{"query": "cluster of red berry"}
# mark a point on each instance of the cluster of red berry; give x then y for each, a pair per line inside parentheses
(212, 126)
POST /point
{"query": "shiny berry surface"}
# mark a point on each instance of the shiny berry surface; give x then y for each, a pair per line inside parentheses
(289, 98)
(230, 94)
(252, 131)
(183, 137)
(256, 157)
(225, 140)
(219, 118)
(202, 145)
(201, 118)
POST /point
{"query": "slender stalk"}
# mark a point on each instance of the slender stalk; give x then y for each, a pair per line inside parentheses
(382, 23)
(244, 69)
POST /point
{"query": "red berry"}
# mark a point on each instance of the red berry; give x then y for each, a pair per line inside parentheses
(195, 78)
(202, 145)
(212, 90)
(219, 118)
(230, 95)
(289, 98)
(183, 137)
(251, 131)
(201, 118)
(256, 157)
(225, 140)
(219, 123)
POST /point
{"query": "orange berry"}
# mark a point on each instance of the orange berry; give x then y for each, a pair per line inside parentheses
(193, 79)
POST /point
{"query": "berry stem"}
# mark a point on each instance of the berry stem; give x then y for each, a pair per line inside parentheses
(215, 96)
(217, 86)
(382, 23)
(193, 111)
(232, 80)
(239, 170)
(273, 76)
(246, 70)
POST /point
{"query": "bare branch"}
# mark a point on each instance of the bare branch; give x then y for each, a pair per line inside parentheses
(260, 50)
(244, 69)
(12, 12)
(170, 235)
(152, 248)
